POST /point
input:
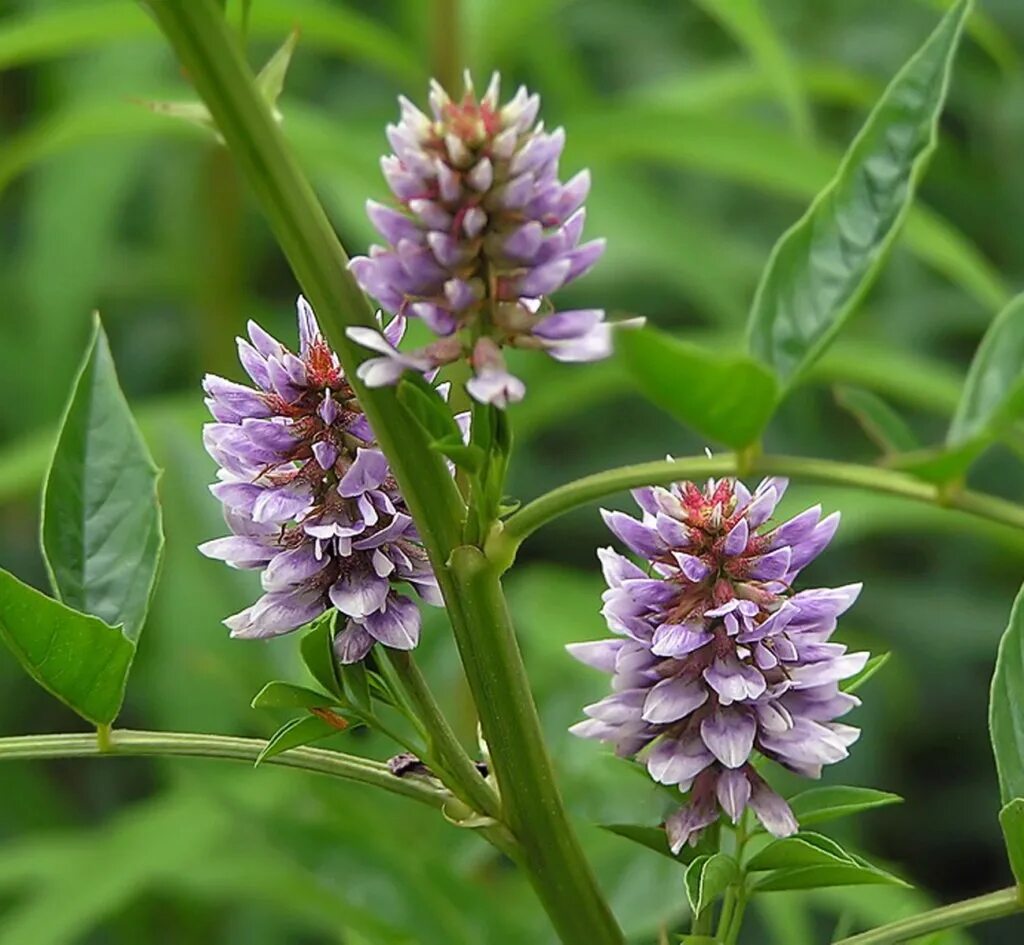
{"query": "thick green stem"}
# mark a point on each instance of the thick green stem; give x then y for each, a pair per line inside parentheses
(533, 808)
(959, 915)
(552, 855)
(126, 742)
(565, 498)
(467, 779)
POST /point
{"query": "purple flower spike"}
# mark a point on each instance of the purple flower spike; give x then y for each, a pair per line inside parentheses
(717, 658)
(309, 498)
(481, 232)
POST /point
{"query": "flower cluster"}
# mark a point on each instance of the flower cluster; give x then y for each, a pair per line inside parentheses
(483, 232)
(309, 498)
(718, 657)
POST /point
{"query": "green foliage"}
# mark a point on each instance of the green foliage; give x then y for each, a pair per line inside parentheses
(821, 268)
(297, 732)
(1006, 706)
(318, 654)
(726, 398)
(102, 533)
(1011, 819)
(77, 657)
(707, 877)
(282, 695)
(818, 805)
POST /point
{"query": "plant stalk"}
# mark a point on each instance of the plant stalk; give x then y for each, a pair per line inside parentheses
(581, 491)
(127, 742)
(533, 807)
(994, 905)
(551, 853)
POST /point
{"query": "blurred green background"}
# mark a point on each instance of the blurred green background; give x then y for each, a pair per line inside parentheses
(707, 131)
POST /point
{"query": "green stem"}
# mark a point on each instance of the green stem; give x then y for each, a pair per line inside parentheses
(126, 742)
(561, 500)
(447, 35)
(467, 779)
(959, 915)
(533, 807)
(551, 853)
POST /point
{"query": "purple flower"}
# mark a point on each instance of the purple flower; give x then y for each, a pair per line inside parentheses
(717, 656)
(310, 500)
(482, 232)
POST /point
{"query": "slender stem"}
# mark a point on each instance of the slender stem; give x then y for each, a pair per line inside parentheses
(127, 742)
(533, 807)
(467, 779)
(447, 35)
(533, 515)
(551, 853)
(995, 905)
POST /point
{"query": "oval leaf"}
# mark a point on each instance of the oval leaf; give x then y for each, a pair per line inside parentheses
(78, 658)
(1006, 706)
(318, 653)
(102, 534)
(823, 265)
(707, 877)
(818, 805)
(727, 398)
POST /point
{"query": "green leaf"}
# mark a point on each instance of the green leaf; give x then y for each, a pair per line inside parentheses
(102, 534)
(654, 838)
(297, 732)
(707, 877)
(802, 849)
(818, 805)
(357, 685)
(822, 266)
(883, 426)
(727, 398)
(270, 80)
(1011, 819)
(469, 457)
(318, 653)
(430, 412)
(76, 657)
(816, 877)
(872, 666)
(993, 393)
(1006, 706)
(282, 695)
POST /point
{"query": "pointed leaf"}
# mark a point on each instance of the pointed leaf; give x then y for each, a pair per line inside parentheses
(872, 666)
(727, 398)
(886, 428)
(282, 695)
(993, 393)
(76, 657)
(802, 849)
(470, 458)
(357, 685)
(823, 265)
(816, 877)
(102, 534)
(270, 80)
(707, 877)
(1011, 819)
(295, 733)
(1006, 706)
(818, 805)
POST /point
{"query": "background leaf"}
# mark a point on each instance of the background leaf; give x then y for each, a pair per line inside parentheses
(77, 657)
(886, 428)
(102, 533)
(727, 398)
(822, 267)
